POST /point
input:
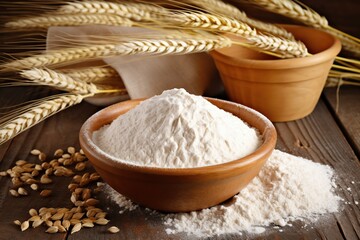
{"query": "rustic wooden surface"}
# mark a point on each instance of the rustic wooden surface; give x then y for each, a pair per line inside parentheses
(316, 137)
(326, 136)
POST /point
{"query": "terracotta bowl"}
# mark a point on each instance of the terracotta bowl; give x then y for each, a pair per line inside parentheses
(281, 89)
(181, 189)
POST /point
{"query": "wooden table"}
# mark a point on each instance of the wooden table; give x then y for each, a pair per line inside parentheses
(326, 136)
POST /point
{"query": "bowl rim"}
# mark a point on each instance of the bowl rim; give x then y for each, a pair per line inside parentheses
(264, 150)
(285, 63)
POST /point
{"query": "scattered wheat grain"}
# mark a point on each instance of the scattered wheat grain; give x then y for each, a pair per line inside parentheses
(113, 229)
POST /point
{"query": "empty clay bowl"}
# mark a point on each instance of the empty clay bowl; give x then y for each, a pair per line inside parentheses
(281, 89)
(181, 189)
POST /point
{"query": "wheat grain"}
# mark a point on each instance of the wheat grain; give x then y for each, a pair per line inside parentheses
(52, 229)
(93, 74)
(113, 229)
(102, 221)
(135, 11)
(59, 81)
(25, 225)
(37, 113)
(68, 20)
(77, 227)
(220, 7)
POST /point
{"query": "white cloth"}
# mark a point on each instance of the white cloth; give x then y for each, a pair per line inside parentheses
(144, 76)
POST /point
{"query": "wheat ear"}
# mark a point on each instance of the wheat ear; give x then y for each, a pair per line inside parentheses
(37, 113)
(93, 74)
(220, 7)
(283, 47)
(66, 55)
(134, 11)
(131, 47)
(68, 20)
(59, 81)
(173, 46)
(289, 8)
(280, 47)
(346, 42)
(308, 17)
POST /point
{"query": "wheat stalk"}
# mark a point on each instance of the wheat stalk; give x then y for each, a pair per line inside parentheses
(68, 20)
(220, 7)
(277, 46)
(59, 81)
(130, 47)
(336, 81)
(135, 11)
(93, 74)
(104, 89)
(37, 113)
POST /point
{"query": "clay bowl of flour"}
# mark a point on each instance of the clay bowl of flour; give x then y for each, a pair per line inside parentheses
(172, 189)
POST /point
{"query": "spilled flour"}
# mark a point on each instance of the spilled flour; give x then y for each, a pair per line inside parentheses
(177, 130)
(287, 188)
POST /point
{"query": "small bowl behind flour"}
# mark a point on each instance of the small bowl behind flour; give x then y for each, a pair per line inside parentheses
(178, 189)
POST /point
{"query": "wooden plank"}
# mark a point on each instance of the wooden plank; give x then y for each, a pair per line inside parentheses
(317, 137)
(346, 108)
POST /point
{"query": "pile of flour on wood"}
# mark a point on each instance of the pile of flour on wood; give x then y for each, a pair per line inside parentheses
(287, 188)
(177, 130)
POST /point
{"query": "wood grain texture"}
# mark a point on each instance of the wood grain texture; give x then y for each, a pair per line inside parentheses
(345, 106)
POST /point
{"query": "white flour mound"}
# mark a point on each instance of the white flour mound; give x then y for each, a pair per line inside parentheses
(287, 188)
(177, 130)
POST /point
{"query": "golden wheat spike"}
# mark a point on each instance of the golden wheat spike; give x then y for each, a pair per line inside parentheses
(68, 20)
(210, 22)
(67, 55)
(37, 113)
(291, 9)
(59, 81)
(225, 9)
(173, 46)
(270, 44)
(130, 47)
(283, 47)
(93, 74)
(302, 13)
(135, 11)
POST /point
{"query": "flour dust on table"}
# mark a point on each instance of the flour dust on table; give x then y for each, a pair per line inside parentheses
(288, 188)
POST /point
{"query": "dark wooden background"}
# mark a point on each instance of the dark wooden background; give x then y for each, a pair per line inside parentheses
(325, 136)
